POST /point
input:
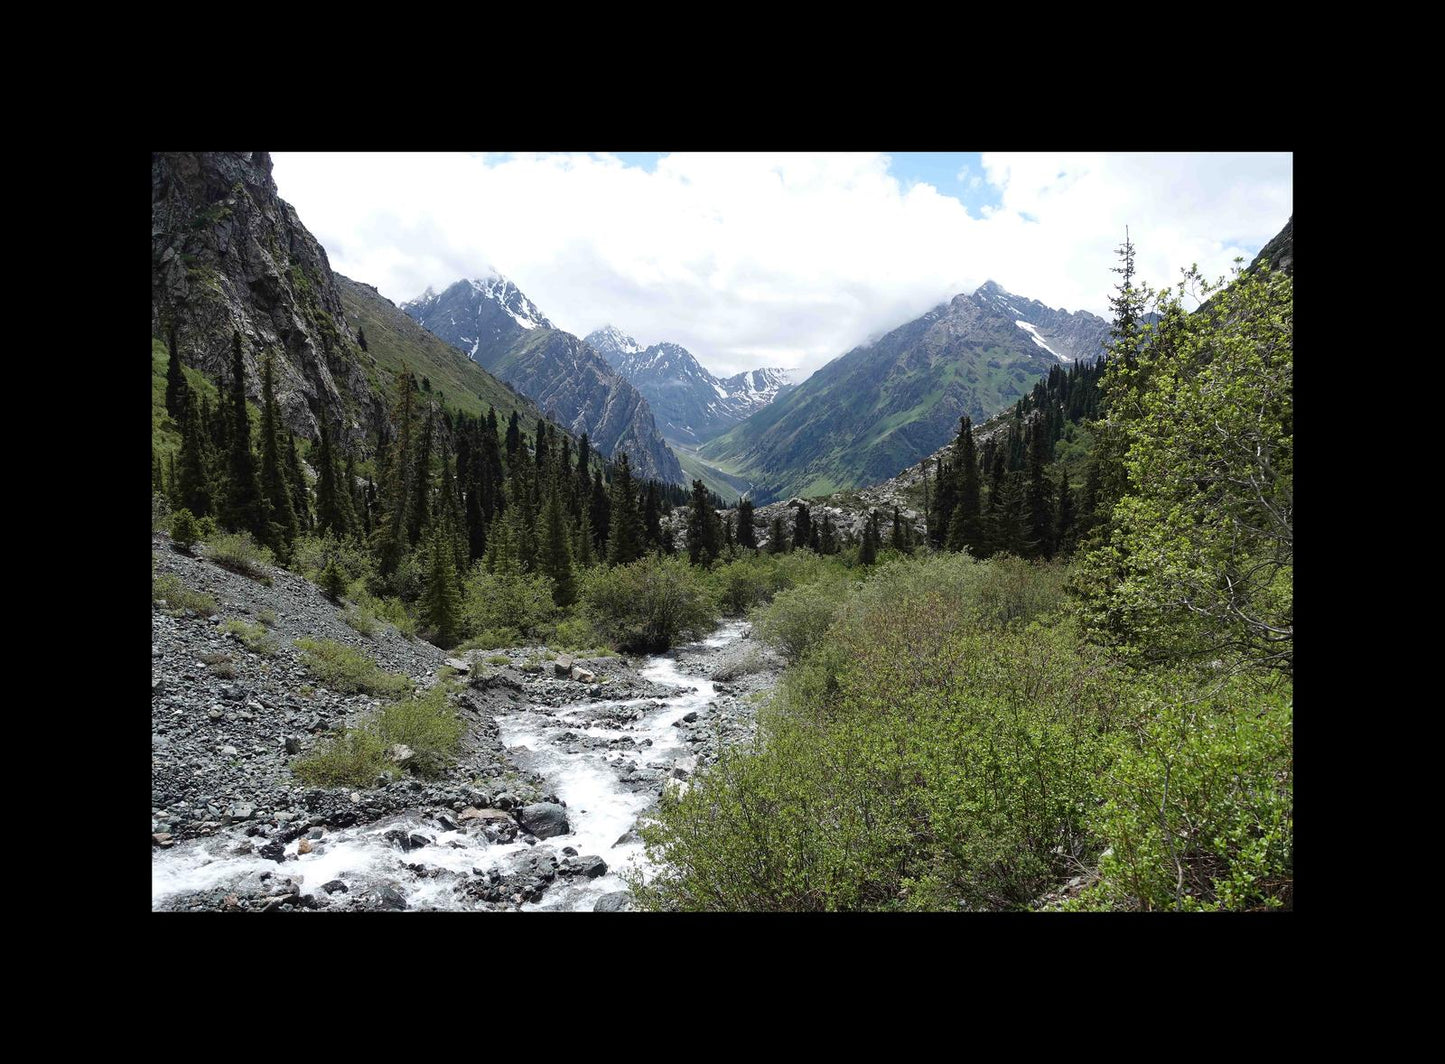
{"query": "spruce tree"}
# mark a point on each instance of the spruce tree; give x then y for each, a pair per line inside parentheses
(868, 551)
(296, 477)
(514, 440)
(601, 509)
(965, 528)
(585, 553)
(899, 540)
(274, 487)
(191, 478)
(329, 517)
(1064, 519)
(1040, 497)
(777, 535)
(243, 508)
(158, 480)
(828, 537)
(441, 602)
(625, 541)
(177, 391)
(802, 529)
(555, 559)
(747, 534)
(419, 509)
(704, 535)
(652, 519)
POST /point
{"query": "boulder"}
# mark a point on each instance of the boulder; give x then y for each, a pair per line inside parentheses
(581, 675)
(544, 819)
(399, 753)
(458, 664)
(617, 902)
(589, 867)
(563, 666)
(484, 815)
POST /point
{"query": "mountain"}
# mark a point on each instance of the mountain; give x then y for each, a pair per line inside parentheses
(883, 406)
(691, 405)
(228, 254)
(495, 324)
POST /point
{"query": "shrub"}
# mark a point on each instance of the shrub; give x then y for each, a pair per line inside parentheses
(507, 600)
(333, 581)
(178, 598)
(184, 531)
(576, 634)
(797, 620)
(267, 617)
(499, 659)
(348, 671)
(1198, 810)
(311, 554)
(492, 637)
(743, 663)
(353, 759)
(224, 669)
(429, 725)
(240, 553)
(363, 621)
(160, 512)
(253, 636)
(650, 604)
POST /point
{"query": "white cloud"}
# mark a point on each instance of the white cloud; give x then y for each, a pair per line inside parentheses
(778, 259)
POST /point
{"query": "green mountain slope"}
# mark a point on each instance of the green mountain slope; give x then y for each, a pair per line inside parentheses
(884, 406)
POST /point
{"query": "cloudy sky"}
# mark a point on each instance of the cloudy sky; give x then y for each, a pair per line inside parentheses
(780, 259)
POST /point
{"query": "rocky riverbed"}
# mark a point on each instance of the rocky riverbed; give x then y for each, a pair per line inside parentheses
(560, 760)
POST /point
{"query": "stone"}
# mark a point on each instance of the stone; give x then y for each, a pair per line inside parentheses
(459, 664)
(214, 714)
(390, 897)
(243, 811)
(590, 866)
(274, 851)
(399, 753)
(335, 887)
(563, 666)
(304, 846)
(617, 902)
(484, 815)
(445, 822)
(232, 693)
(293, 744)
(581, 675)
(690, 717)
(230, 751)
(163, 840)
(544, 819)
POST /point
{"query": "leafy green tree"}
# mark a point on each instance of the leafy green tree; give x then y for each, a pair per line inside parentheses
(1200, 564)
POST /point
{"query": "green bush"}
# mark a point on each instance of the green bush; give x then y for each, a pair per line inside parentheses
(490, 638)
(253, 637)
(311, 554)
(348, 671)
(357, 757)
(1198, 807)
(353, 759)
(428, 725)
(920, 758)
(576, 634)
(240, 553)
(267, 617)
(798, 619)
(362, 620)
(649, 605)
(184, 531)
(507, 600)
(167, 588)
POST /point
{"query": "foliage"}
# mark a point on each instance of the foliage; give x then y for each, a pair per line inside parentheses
(184, 529)
(253, 637)
(348, 671)
(1198, 801)
(361, 620)
(650, 604)
(799, 619)
(353, 759)
(429, 725)
(238, 552)
(179, 598)
(1200, 563)
(577, 633)
(507, 600)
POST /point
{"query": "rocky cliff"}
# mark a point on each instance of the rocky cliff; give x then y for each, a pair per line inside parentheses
(228, 254)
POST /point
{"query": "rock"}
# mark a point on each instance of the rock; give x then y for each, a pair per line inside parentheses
(163, 840)
(563, 666)
(590, 866)
(504, 801)
(684, 767)
(335, 887)
(536, 864)
(458, 664)
(626, 837)
(243, 811)
(390, 898)
(445, 822)
(214, 714)
(418, 841)
(293, 744)
(544, 819)
(581, 675)
(675, 788)
(569, 851)
(617, 902)
(484, 815)
(304, 846)
(274, 851)
(399, 753)
(233, 693)
(690, 717)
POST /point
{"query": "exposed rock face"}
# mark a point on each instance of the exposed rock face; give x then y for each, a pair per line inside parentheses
(507, 335)
(885, 405)
(691, 404)
(228, 254)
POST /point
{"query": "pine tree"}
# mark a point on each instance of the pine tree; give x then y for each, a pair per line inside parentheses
(555, 559)
(945, 500)
(868, 551)
(828, 537)
(177, 391)
(275, 489)
(601, 509)
(158, 480)
(899, 540)
(965, 530)
(1040, 497)
(514, 440)
(704, 535)
(243, 508)
(777, 535)
(389, 543)
(1064, 519)
(625, 542)
(652, 518)
(329, 517)
(747, 534)
(441, 603)
(296, 477)
(586, 558)
(191, 478)
(419, 509)
(802, 528)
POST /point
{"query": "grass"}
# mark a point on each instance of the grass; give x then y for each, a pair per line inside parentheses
(253, 637)
(178, 598)
(499, 659)
(362, 620)
(267, 617)
(360, 756)
(348, 671)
